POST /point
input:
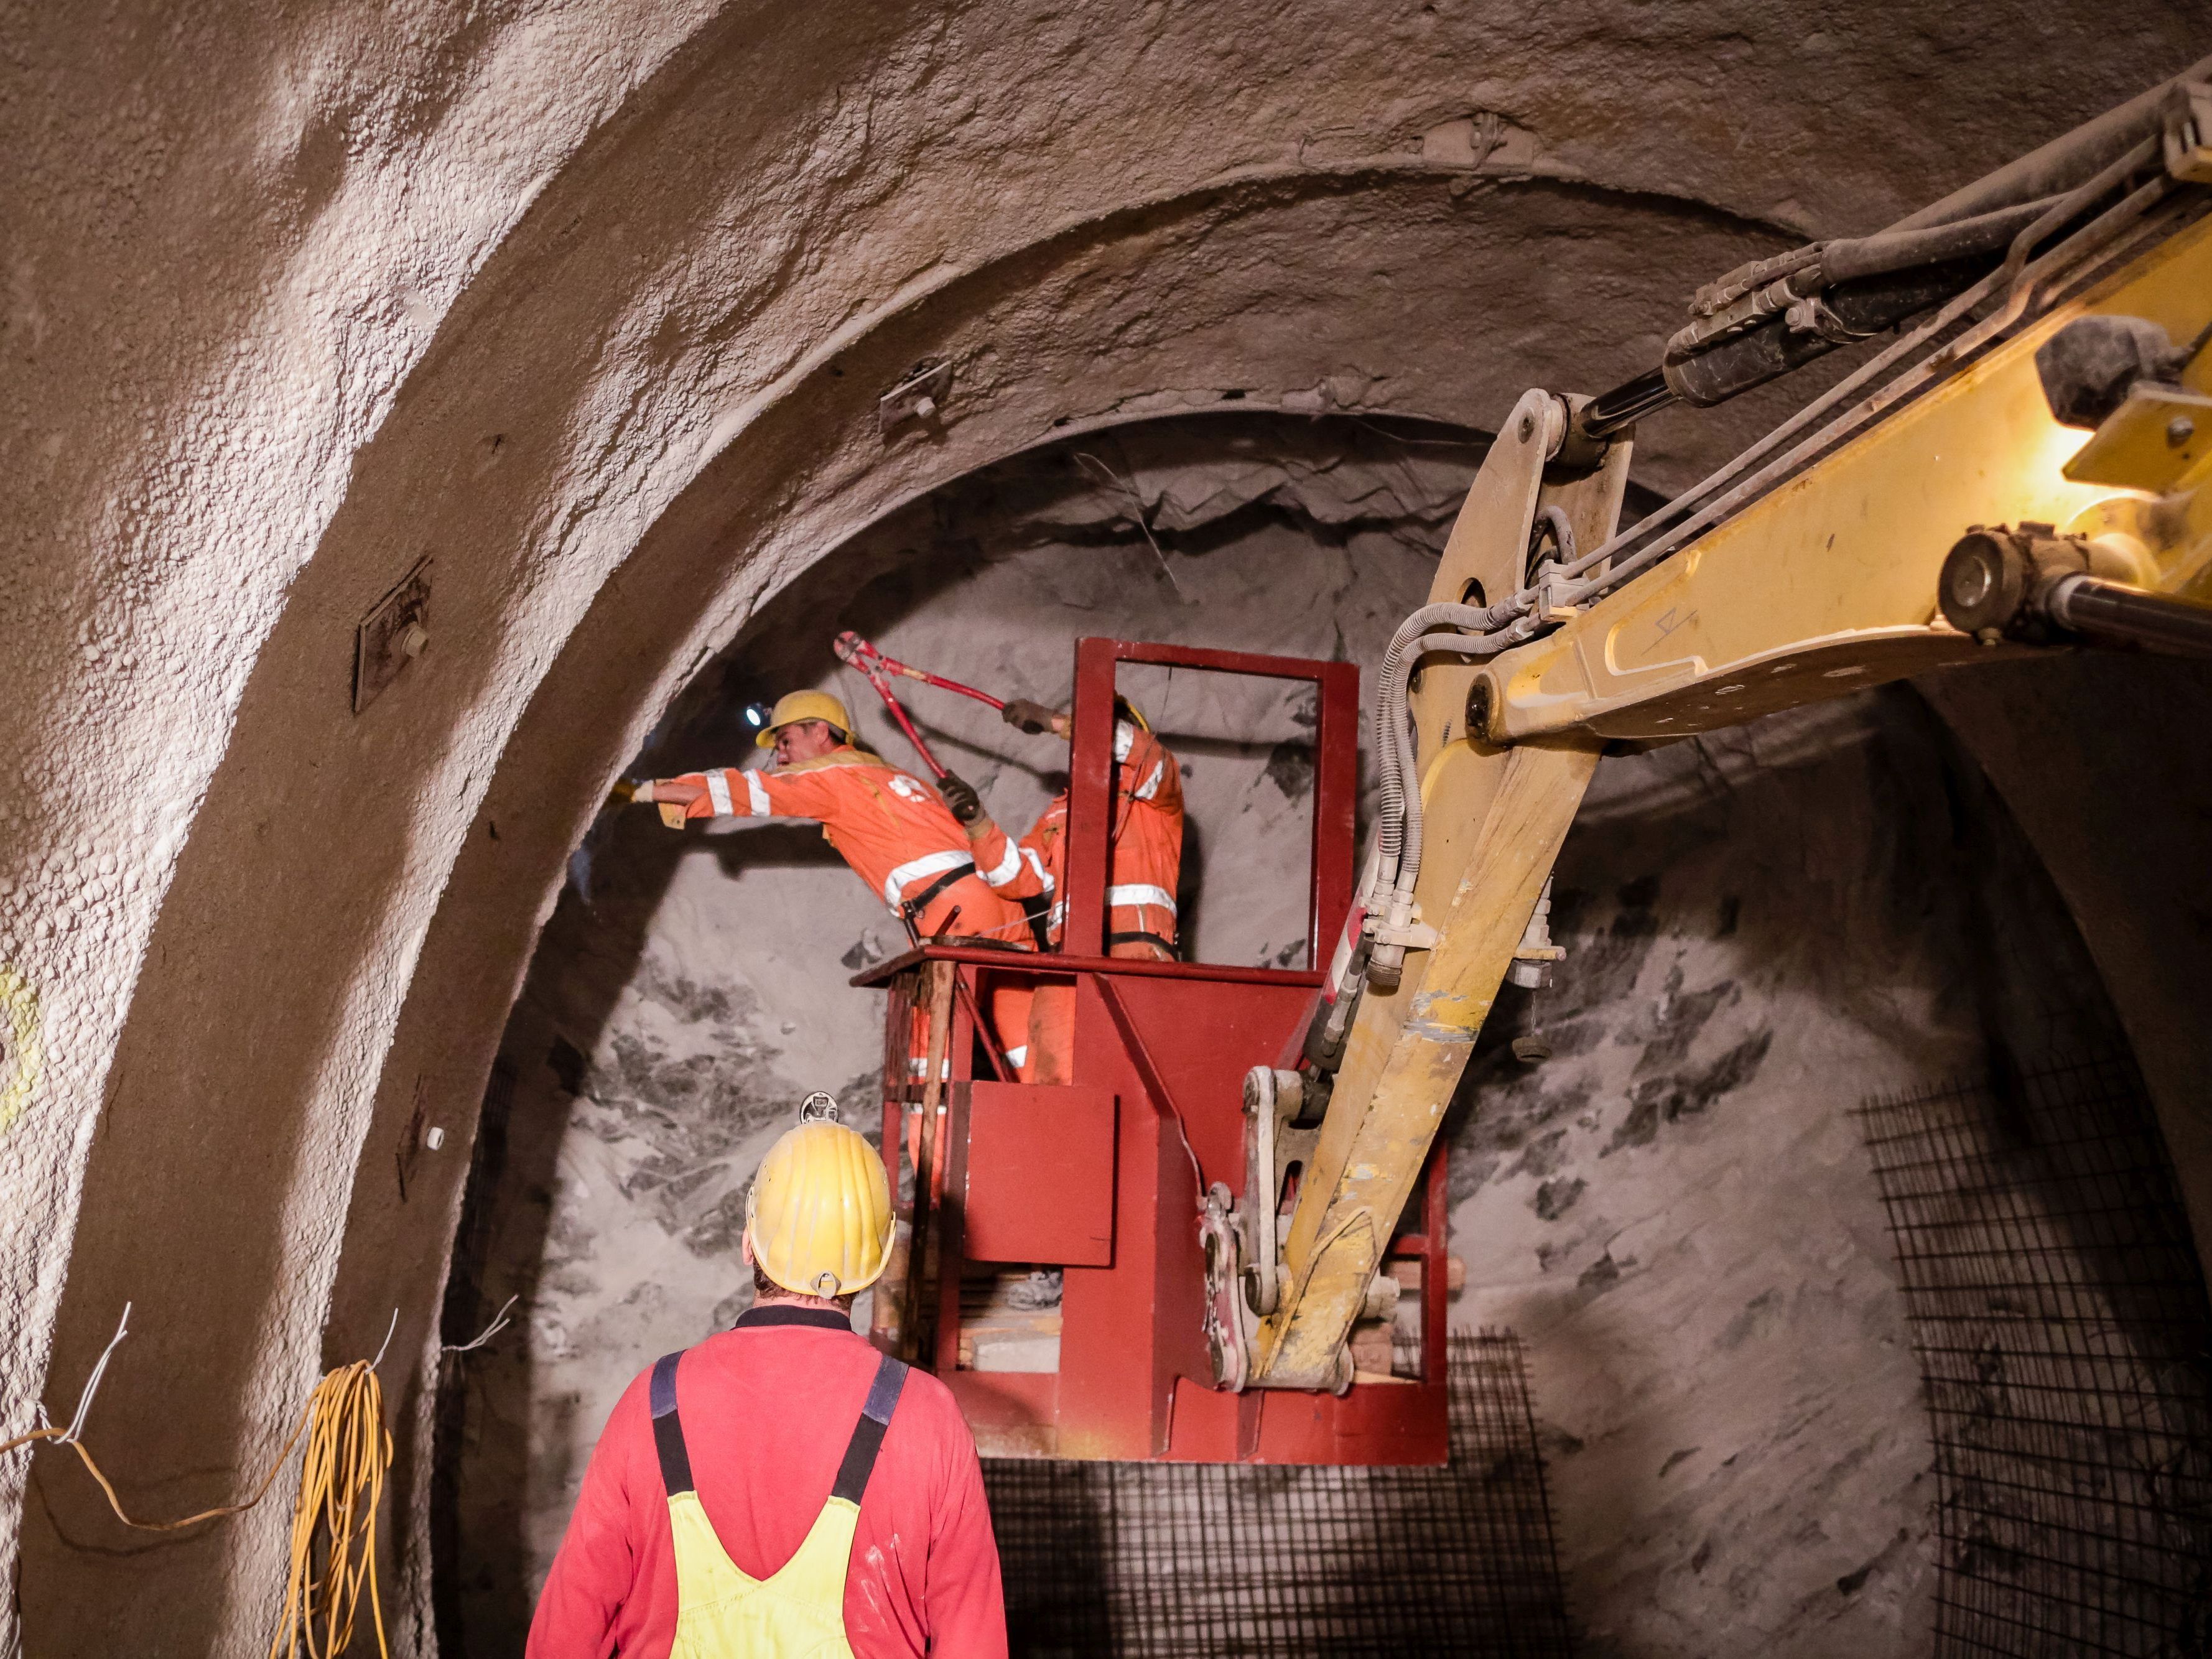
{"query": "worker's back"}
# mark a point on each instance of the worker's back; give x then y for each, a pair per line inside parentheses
(1144, 860)
(768, 1410)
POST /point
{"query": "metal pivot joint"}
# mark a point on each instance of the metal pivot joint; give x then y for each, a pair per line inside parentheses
(1243, 1242)
(2039, 588)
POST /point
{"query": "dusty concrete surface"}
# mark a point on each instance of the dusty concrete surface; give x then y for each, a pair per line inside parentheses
(590, 305)
(1767, 928)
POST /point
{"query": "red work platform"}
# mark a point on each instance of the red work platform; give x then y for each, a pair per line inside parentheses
(1095, 1178)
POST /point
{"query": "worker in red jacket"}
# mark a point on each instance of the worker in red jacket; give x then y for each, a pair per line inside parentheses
(894, 830)
(1143, 864)
(783, 1489)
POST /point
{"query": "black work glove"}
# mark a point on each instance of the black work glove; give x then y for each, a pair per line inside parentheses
(960, 795)
(1032, 717)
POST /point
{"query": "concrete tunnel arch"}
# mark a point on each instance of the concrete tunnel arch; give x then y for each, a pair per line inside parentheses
(347, 921)
(285, 1035)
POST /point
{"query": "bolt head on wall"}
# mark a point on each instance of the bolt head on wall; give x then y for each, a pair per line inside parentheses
(393, 634)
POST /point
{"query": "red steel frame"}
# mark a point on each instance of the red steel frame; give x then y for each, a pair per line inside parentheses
(1172, 1041)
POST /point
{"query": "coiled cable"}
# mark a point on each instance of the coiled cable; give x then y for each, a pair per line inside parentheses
(333, 1521)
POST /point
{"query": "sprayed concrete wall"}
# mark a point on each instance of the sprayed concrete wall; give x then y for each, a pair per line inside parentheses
(590, 305)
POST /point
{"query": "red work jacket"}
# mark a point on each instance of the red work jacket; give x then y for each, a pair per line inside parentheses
(893, 829)
(1143, 866)
(767, 1409)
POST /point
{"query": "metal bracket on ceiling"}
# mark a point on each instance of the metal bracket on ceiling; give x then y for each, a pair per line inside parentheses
(395, 632)
(918, 397)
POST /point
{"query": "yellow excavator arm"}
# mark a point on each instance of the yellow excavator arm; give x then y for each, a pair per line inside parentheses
(2020, 469)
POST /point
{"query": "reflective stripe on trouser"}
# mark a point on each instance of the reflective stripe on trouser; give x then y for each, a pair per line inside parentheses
(1140, 892)
(798, 1610)
(1131, 908)
(986, 914)
(1004, 998)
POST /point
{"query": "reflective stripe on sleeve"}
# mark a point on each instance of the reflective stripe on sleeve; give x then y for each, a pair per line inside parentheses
(1037, 864)
(718, 791)
(757, 795)
(1014, 1056)
(1006, 868)
(1151, 784)
(920, 869)
(1139, 893)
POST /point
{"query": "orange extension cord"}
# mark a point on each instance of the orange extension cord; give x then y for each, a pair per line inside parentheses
(333, 1523)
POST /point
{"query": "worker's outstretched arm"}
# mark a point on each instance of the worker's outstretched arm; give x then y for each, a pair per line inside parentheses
(1151, 771)
(596, 1570)
(725, 792)
(1004, 864)
(1035, 718)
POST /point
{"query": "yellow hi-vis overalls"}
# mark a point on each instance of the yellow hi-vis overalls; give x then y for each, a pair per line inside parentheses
(798, 1610)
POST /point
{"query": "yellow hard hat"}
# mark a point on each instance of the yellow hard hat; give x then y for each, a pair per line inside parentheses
(819, 1214)
(793, 707)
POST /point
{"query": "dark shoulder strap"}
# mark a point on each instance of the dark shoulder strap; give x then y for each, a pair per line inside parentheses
(868, 1433)
(668, 1427)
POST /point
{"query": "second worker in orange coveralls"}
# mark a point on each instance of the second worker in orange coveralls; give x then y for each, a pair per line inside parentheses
(1144, 863)
(893, 829)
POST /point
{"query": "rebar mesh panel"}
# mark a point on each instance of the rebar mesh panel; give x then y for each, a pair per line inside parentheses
(2059, 1309)
(1164, 1560)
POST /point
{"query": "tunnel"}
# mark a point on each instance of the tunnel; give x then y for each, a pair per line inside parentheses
(348, 1019)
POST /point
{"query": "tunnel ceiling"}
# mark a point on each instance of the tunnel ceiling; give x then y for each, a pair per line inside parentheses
(592, 305)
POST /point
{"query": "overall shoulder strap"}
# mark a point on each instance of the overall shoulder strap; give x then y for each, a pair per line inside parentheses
(668, 1427)
(867, 1434)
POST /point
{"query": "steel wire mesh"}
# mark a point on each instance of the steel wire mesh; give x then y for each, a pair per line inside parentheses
(1165, 1560)
(2059, 1312)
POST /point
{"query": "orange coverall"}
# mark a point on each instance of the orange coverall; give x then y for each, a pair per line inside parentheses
(900, 839)
(1143, 861)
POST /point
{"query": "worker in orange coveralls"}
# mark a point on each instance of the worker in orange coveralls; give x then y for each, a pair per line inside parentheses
(1143, 860)
(893, 829)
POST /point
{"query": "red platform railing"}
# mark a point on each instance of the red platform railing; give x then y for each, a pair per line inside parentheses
(1090, 798)
(1103, 1178)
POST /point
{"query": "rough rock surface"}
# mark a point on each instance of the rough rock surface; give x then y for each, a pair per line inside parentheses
(1674, 1209)
(688, 990)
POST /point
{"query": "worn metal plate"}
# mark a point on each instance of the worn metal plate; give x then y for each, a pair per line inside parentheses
(1040, 1175)
(390, 636)
(2152, 441)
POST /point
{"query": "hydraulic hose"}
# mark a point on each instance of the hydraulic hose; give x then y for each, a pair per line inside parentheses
(1969, 223)
(2064, 163)
(1712, 498)
(1885, 251)
(1554, 519)
(1391, 716)
(1486, 632)
(1389, 898)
